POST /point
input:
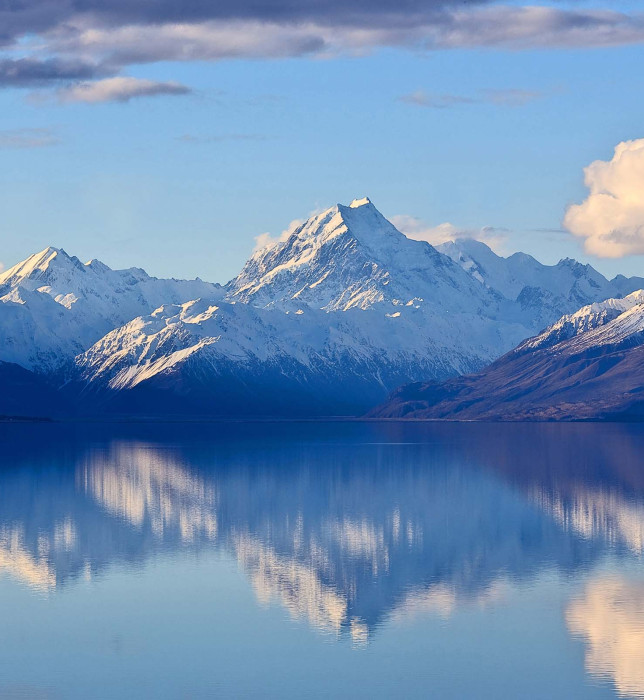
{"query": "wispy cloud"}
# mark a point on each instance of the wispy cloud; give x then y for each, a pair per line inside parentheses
(219, 138)
(28, 138)
(266, 241)
(512, 97)
(120, 89)
(418, 230)
(507, 97)
(420, 98)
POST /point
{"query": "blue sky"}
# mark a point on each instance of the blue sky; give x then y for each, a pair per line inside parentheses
(182, 183)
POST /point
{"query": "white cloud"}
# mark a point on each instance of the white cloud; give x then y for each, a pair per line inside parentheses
(121, 89)
(611, 219)
(418, 230)
(267, 240)
(203, 41)
(532, 27)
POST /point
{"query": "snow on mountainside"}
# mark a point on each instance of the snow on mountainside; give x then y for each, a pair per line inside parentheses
(53, 307)
(588, 365)
(346, 307)
(543, 292)
(231, 358)
(588, 318)
(327, 321)
(352, 257)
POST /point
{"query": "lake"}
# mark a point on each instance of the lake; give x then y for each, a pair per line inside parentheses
(316, 560)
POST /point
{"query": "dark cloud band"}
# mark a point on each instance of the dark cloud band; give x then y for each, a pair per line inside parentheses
(39, 15)
(83, 40)
(32, 72)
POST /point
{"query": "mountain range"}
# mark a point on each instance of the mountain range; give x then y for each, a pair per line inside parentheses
(328, 321)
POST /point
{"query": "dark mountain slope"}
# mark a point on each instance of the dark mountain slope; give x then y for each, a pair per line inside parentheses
(587, 366)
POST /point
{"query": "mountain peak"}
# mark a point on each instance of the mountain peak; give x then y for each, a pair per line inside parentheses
(349, 256)
(33, 265)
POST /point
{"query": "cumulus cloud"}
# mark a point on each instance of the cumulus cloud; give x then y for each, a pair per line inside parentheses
(513, 97)
(120, 89)
(418, 230)
(611, 219)
(27, 138)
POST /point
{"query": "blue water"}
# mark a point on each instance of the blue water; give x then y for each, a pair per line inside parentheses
(297, 560)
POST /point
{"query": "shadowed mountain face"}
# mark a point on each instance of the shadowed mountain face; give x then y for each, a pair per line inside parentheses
(346, 526)
(587, 366)
(26, 394)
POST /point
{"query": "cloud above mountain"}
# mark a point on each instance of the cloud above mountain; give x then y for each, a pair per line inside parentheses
(267, 240)
(611, 219)
(53, 41)
(418, 230)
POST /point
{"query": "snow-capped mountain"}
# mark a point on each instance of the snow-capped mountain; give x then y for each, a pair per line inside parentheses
(233, 358)
(587, 319)
(52, 306)
(588, 365)
(543, 292)
(327, 321)
(352, 257)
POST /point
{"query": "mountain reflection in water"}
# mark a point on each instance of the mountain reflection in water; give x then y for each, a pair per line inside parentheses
(348, 526)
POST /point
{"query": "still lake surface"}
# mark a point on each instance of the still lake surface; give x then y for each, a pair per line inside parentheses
(295, 560)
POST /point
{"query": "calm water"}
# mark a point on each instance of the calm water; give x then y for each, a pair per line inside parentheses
(322, 560)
